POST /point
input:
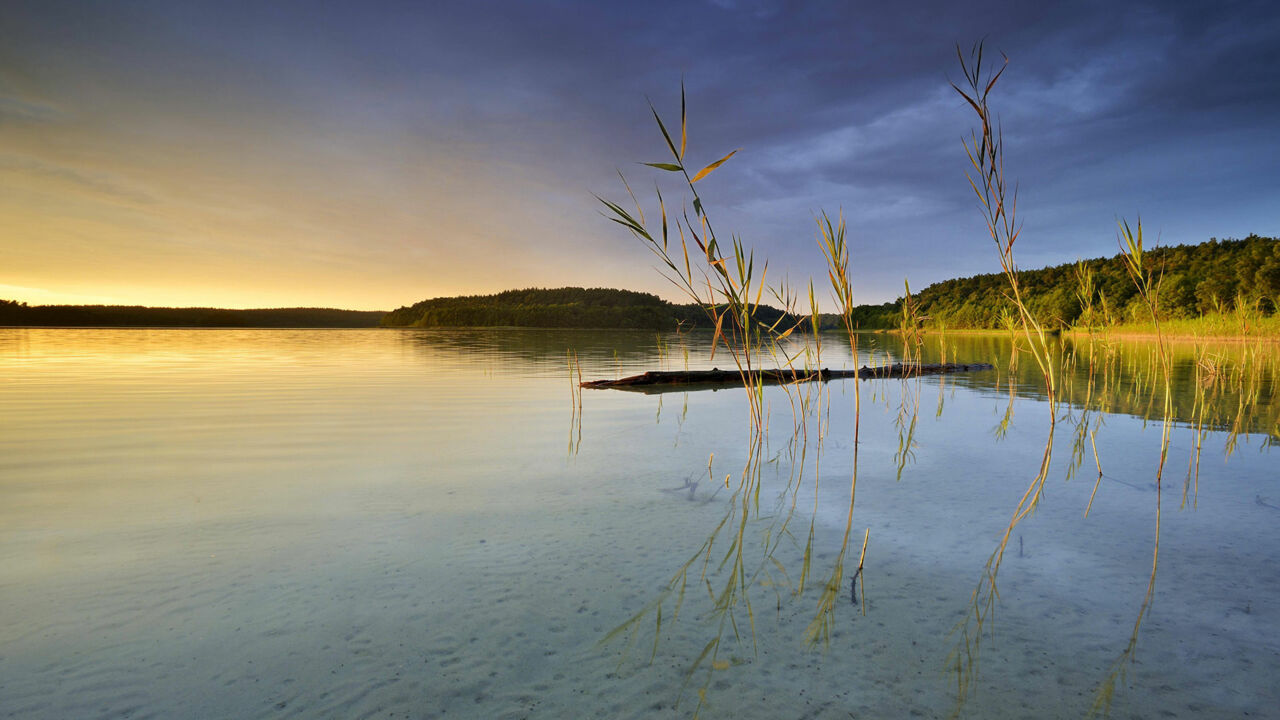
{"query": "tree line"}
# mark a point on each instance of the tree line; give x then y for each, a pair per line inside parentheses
(18, 313)
(545, 307)
(563, 307)
(1214, 276)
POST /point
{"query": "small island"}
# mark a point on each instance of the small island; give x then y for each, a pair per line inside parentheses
(568, 307)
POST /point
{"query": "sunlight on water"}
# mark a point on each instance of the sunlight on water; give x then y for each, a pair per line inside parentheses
(271, 523)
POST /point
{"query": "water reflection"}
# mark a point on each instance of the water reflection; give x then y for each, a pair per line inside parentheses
(1227, 386)
(1220, 388)
(400, 504)
(541, 351)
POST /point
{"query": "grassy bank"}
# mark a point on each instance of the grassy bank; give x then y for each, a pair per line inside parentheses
(1230, 326)
(1217, 326)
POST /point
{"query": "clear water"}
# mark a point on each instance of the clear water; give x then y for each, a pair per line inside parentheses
(274, 523)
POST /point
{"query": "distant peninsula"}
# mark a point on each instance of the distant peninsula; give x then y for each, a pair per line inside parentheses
(568, 307)
(20, 314)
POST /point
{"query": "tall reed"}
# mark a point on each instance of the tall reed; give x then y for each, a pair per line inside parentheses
(722, 279)
(1148, 285)
(997, 199)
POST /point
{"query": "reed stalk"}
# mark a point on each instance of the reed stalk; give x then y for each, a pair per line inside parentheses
(997, 199)
(722, 279)
(1148, 286)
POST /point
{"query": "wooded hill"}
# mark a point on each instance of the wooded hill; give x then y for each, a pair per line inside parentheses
(15, 313)
(1215, 276)
(559, 307)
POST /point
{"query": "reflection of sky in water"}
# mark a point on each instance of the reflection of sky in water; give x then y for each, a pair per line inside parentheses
(259, 523)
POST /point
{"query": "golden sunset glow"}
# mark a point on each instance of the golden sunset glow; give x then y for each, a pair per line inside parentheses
(192, 216)
(198, 154)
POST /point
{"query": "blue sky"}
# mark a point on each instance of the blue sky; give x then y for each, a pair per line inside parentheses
(369, 155)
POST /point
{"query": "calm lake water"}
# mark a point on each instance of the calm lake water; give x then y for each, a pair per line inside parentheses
(410, 524)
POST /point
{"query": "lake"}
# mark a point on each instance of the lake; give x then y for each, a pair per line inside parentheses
(419, 523)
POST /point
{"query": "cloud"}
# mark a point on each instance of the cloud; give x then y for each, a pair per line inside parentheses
(449, 141)
(102, 185)
(17, 110)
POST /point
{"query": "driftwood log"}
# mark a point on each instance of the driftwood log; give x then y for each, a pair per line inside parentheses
(661, 381)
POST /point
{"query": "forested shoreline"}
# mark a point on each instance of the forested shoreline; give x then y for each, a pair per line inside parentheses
(568, 307)
(1240, 278)
(1214, 277)
(20, 314)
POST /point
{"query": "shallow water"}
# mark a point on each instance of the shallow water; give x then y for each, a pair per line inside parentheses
(275, 523)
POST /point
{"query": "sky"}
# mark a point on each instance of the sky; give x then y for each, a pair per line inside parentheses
(368, 155)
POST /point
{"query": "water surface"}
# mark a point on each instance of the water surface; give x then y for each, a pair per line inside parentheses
(351, 523)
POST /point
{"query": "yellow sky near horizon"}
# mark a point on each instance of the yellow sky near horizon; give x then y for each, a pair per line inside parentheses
(142, 191)
(207, 220)
(370, 156)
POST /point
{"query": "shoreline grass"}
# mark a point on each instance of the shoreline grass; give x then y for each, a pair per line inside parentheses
(1209, 328)
(1221, 326)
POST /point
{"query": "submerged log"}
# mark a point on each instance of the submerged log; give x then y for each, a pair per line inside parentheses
(663, 381)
